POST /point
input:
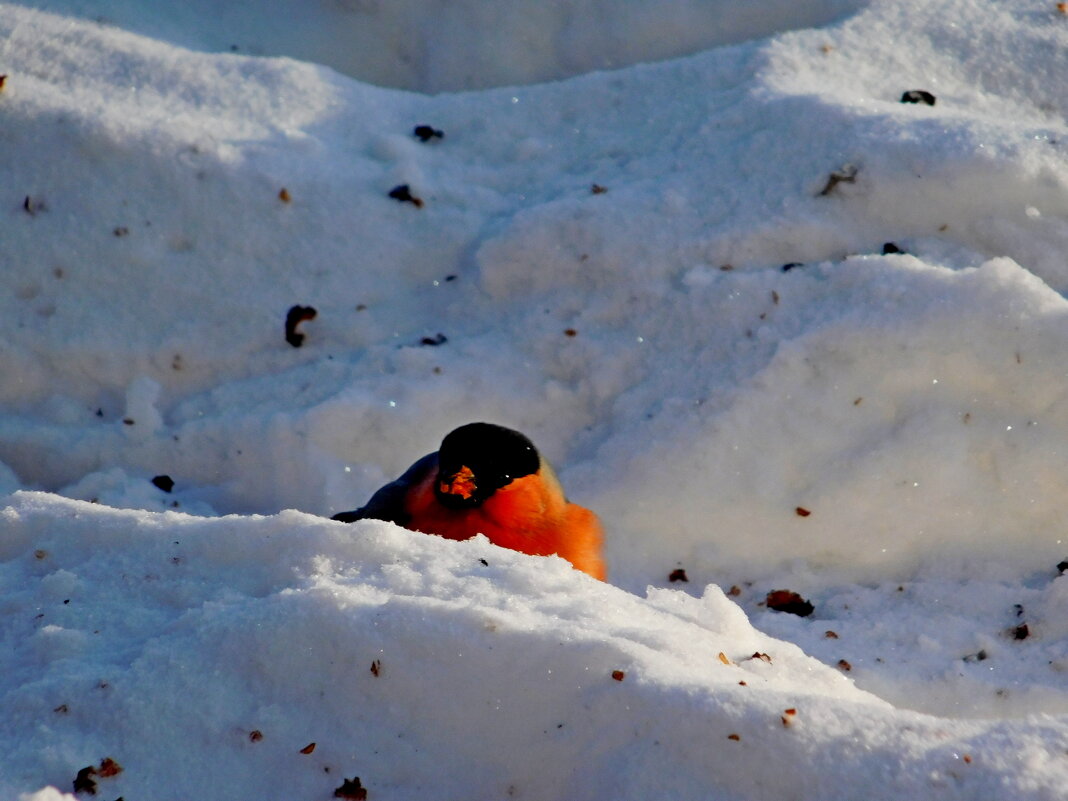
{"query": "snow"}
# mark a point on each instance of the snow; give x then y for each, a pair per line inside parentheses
(604, 255)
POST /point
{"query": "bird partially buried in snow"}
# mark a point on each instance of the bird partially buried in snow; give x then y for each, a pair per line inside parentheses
(491, 480)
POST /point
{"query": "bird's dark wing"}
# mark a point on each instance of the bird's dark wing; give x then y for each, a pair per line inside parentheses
(388, 502)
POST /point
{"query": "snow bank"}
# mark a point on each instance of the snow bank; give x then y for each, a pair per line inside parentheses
(205, 655)
(450, 45)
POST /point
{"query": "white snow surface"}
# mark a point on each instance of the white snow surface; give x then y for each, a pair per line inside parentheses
(883, 430)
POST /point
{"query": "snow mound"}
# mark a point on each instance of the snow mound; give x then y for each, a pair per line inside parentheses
(451, 45)
(422, 665)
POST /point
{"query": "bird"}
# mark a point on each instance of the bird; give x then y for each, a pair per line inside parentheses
(491, 480)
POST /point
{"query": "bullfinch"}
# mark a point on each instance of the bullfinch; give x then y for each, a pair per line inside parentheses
(491, 480)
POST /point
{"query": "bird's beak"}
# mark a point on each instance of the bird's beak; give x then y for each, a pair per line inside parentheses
(461, 483)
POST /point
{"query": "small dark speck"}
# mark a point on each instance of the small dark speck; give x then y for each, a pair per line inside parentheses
(424, 133)
(450, 277)
(127, 421)
(890, 247)
(434, 341)
(918, 96)
(678, 574)
(67, 601)
(484, 562)
(787, 267)
(403, 194)
(1021, 632)
(597, 189)
(294, 317)
(99, 412)
(121, 230)
(164, 482)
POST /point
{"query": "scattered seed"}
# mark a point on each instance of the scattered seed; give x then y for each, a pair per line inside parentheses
(597, 189)
(484, 562)
(294, 317)
(723, 658)
(434, 341)
(618, 675)
(844, 665)
(775, 297)
(351, 789)
(801, 511)
(830, 635)
(743, 683)
(308, 748)
(734, 591)
(918, 96)
(762, 657)
(403, 194)
(1021, 632)
(967, 759)
(846, 175)
(121, 231)
(284, 196)
(84, 782)
(255, 736)
(570, 332)
(791, 266)
(108, 768)
(165, 483)
(376, 668)
(678, 574)
(890, 248)
(62, 709)
(789, 602)
(424, 133)
(978, 656)
(734, 737)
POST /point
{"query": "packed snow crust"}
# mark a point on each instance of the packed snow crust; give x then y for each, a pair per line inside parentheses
(776, 327)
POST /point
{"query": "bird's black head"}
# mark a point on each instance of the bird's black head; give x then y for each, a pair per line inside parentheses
(477, 459)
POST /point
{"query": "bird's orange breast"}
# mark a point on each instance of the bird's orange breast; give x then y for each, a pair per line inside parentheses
(530, 515)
